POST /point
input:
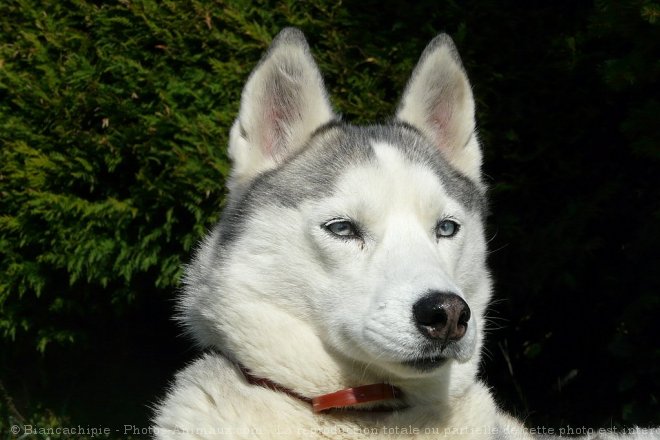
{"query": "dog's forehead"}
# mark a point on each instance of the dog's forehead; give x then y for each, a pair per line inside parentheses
(339, 148)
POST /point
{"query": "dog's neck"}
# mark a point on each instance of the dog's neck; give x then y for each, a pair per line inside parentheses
(353, 398)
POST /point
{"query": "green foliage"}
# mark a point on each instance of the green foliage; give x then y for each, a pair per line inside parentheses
(111, 158)
(113, 124)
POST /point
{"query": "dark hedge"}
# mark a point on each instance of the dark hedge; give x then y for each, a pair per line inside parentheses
(113, 124)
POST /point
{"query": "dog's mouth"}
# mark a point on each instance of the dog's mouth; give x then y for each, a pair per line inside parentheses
(426, 363)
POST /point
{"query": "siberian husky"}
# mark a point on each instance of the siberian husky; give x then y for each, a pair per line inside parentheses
(342, 294)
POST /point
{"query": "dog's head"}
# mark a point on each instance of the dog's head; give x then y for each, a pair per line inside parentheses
(363, 244)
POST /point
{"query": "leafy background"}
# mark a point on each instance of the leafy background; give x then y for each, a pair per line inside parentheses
(113, 125)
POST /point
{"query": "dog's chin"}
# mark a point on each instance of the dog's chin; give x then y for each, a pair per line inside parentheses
(427, 360)
(416, 366)
(426, 364)
(431, 362)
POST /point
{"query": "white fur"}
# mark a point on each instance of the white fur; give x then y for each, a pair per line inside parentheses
(317, 314)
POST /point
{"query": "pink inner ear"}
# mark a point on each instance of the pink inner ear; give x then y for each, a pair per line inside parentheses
(278, 117)
(272, 132)
(440, 121)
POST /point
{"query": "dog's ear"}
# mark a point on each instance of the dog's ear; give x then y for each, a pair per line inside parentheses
(438, 101)
(282, 104)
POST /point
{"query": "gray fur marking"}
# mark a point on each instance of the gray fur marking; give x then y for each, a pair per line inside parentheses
(313, 171)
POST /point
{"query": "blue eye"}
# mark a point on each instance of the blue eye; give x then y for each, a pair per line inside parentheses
(341, 228)
(446, 228)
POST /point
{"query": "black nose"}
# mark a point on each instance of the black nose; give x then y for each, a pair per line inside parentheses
(442, 316)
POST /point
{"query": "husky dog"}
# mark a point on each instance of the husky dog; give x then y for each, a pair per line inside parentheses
(342, 295)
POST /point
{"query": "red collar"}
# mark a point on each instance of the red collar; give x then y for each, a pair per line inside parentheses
(339, 399)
